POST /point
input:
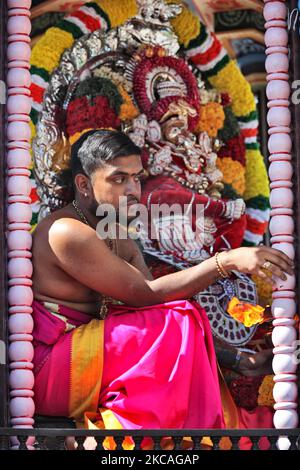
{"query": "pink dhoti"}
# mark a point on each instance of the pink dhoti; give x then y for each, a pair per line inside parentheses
(151, 367)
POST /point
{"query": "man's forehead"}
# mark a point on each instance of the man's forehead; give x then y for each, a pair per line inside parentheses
(130, 164)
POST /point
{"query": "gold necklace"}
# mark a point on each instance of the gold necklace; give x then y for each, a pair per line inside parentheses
(84, 220)
(104, 308)
(79, 212)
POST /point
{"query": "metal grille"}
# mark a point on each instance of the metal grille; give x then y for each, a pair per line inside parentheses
(55, 439)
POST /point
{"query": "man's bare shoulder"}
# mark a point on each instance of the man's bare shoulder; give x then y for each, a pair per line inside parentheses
(60, 223)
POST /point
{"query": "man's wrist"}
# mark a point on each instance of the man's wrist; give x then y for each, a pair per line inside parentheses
(243, 361)
(237, 361)
(226, 259)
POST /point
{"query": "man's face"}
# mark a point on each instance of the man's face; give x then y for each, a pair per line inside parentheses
(119, 177)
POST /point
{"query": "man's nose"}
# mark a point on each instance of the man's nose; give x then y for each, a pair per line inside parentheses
(133, 188)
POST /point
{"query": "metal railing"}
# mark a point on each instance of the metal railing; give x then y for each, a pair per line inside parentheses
(55, 439)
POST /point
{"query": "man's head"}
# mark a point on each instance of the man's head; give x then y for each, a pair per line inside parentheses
(106, 164)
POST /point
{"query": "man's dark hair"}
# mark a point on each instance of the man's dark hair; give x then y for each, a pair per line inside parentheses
(96, 147)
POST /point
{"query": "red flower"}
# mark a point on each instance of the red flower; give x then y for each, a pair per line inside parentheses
(244, 391)
(234, 148)
(225, 99)
(83, 114)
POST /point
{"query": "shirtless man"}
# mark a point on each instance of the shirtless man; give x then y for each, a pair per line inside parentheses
(74, 267)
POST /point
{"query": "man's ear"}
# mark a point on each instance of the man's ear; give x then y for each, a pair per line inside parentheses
(82, 184)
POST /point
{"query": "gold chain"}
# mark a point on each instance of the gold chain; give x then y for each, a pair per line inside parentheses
(84, 220)
(79, 212)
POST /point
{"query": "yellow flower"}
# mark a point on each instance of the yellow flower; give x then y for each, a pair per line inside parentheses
(48, 50)
(186, 25)
(257, 181)
(245, 313)
(128, 111)
(264, 289)
(265, 392)
(231, 80)
(212, 118)
(118, 11)
(233, 173)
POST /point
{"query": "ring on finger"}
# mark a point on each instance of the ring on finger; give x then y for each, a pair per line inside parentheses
(266, 265)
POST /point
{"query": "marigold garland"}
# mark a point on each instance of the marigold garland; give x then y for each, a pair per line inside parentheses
(127, 111)
(186, 25)
(231, 80)
(48, 50)
(73, 138)
(257, 182)
(264, 290)
(211, 120)
(265, 392)
(235, 149)
(118, 11)
(230, 128)
(212, 60)
(233, 173)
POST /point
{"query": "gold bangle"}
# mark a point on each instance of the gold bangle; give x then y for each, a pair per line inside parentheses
(222, 272)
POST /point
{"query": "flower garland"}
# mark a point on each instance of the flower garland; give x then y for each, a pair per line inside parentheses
(250, 392)
(82, 115)
(230, 128)
(127, 111)
(115, 77)
(265, 392)
(206, 52)
(244, 391)
(231, 80)
(233, 174)
(150, 59)
(186, 25)
(264, 290)
(97, 102)
(203, 49)
(211, 120)
(235, 149)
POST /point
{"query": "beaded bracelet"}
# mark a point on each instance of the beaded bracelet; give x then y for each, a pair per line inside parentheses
(222, 272)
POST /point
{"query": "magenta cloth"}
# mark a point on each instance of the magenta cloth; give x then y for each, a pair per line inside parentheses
(159, 365)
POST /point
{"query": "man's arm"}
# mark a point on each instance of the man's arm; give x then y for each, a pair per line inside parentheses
(85, 257)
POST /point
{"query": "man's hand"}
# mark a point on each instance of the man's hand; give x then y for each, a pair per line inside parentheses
(251, 260)
(252, 365)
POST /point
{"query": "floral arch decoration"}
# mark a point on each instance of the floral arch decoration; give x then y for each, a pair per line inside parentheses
(78, 38)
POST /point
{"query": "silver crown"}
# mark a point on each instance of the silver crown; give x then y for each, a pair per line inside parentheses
(158, 11)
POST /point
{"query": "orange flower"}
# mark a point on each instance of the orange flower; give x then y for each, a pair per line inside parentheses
(212, 118)
(265, 392)
(245, 313)
(128, 110)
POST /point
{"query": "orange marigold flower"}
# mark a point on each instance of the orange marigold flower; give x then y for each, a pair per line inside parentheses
(245, 313)
(265, 392)
(212, 118)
